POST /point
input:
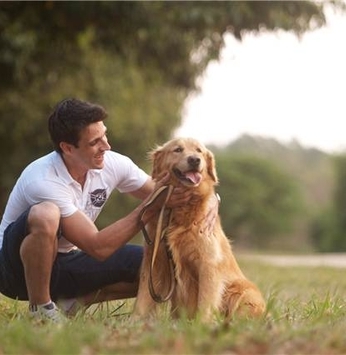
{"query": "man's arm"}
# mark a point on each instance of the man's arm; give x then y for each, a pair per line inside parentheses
(145, 190)
(83, 233)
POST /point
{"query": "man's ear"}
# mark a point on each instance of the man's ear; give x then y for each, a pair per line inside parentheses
(66, 147)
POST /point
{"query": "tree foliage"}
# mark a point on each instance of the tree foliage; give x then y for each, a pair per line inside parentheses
(328, 231)
(312, 171)
(47, 36)
(259, 200)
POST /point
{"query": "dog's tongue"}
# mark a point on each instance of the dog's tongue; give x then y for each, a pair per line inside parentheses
(194, 177)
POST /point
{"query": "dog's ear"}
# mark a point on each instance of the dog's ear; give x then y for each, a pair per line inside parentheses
(211, 166)
(155, 157)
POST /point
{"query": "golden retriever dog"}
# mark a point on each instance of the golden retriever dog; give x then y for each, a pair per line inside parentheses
(192, 265)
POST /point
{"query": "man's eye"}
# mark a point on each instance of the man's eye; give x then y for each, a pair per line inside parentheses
(104, 137)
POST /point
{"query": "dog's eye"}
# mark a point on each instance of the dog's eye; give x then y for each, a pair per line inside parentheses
(199, 150)
(178, 150)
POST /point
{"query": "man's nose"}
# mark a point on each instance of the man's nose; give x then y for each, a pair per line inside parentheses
(105, 144)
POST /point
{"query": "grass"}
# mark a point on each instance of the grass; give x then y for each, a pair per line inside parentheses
(306, 315)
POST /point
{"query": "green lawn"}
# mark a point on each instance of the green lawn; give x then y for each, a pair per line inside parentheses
(306, 315)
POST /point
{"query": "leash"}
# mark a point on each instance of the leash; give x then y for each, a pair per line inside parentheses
(160, 235)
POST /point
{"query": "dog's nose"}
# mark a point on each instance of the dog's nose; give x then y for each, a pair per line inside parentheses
(193, 161)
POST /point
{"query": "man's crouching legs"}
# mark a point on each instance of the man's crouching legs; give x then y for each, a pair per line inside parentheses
(39, 249)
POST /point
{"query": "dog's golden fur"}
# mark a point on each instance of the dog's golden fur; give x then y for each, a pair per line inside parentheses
(207, 276)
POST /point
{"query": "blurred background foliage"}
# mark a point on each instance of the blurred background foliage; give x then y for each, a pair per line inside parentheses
(141, 60)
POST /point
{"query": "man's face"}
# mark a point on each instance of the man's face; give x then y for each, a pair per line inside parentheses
(92, 146)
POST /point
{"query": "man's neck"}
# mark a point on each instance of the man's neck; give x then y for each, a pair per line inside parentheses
(77, 173)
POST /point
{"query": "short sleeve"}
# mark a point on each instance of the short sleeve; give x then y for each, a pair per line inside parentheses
(53, 191)
(124, 173)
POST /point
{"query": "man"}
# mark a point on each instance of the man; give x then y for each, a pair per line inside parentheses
(50, 248)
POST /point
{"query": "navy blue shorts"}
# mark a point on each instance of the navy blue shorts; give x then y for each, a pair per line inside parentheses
(74, 274)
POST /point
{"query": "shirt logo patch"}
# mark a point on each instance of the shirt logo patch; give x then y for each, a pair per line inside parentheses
(98, 197)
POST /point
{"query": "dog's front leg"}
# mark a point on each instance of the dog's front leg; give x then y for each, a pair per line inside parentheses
(155, 281)
(144, 303)
(209, 294)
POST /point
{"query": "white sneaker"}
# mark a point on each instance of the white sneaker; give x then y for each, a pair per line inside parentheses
(48, 313)
(70, 307)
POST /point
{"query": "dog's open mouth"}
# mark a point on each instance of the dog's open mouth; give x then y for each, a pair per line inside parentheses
(191, 177)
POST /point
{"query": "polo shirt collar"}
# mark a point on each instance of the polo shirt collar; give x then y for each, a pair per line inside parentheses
(62, 171)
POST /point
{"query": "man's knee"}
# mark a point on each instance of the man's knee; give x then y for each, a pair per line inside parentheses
(45, 217)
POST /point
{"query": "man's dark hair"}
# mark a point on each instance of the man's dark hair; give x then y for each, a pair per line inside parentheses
(69, 118)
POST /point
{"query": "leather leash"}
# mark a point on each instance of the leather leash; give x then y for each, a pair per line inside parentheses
(160, 235)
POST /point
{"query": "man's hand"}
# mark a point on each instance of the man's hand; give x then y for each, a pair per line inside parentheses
(152, 204)
(212, 213)
(179, 195)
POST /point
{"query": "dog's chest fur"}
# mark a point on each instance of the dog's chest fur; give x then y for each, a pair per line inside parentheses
(190, 243)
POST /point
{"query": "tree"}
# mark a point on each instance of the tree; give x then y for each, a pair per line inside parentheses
(259, 201)
(328, 232)
(36, 36)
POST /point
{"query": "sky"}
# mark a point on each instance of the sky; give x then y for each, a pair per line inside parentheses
(275, 85)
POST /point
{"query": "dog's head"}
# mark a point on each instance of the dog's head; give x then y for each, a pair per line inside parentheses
(188, 161)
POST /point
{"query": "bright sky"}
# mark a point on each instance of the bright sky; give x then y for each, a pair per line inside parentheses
(275, 85)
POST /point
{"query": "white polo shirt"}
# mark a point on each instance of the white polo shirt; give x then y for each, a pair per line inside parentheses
(47, 179)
